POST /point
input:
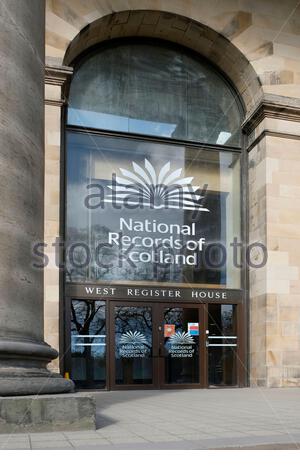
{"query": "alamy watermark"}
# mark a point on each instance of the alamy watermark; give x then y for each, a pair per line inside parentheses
(149, 239)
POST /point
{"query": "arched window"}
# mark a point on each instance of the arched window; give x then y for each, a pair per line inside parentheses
(153, 168)
(154, 90)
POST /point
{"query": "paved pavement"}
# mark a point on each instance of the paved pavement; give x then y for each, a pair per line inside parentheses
(181, 419)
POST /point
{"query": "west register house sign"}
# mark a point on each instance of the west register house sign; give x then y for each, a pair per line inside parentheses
(154, 293)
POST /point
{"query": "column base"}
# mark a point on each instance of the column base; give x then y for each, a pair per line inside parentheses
(23, 369)
(34, 384)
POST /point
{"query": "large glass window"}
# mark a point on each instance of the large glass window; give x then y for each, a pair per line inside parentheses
(170, 215)
(154, 90)
(144, 210)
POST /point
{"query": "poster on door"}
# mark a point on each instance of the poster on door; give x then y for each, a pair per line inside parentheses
(169, 330)
(193, 329)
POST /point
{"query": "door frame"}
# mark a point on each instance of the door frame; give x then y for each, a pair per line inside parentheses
(241, 352)
(157, 346)
(157, 314)
(203, 363)
(111, 346)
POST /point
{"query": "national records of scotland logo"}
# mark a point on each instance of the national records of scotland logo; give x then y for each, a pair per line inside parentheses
(146, 187)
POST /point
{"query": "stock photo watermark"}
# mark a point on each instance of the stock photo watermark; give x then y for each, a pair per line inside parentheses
(153, 217)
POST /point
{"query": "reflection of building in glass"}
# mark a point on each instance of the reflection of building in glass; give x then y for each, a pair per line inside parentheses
(117, 251)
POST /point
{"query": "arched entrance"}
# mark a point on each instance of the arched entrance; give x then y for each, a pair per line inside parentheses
(154, 297)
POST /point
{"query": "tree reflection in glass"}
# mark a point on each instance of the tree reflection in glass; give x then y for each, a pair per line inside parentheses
(181, 349)
(133, 345)
(88, 343)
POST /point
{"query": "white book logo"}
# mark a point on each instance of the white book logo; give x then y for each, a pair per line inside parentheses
(163, 189)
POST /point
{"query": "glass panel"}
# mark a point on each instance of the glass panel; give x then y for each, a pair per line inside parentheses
(181, 345)
(222, 345)
(151, 212)
(155, 90)
(133, 345)
(88, 343)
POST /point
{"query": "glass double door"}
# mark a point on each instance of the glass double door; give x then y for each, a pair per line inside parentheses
(119, 344)
(157, 345)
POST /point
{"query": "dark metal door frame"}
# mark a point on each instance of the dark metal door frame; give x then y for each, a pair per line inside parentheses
(202, 350)
(111, 347)
(158, 342)
(158, 346)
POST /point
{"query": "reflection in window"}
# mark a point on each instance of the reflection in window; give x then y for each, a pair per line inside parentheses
(94, 161)
(88, 343)
(181, 347)
(222, 350)
(155, 90)
(133, 345)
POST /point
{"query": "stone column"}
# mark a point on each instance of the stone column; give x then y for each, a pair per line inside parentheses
(23, 353)
(274, 220)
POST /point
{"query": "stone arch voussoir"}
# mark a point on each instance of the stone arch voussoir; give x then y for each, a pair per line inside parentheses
(178, 29)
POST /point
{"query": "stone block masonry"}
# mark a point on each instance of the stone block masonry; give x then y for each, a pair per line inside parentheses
(71, 412)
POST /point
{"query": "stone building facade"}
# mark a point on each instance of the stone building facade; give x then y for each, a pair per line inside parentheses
(256, 44)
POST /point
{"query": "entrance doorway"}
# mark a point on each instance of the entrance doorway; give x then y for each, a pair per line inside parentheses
(159, 345)
(135, 345)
